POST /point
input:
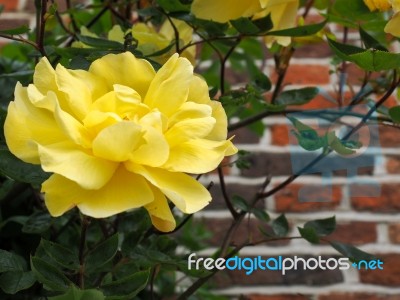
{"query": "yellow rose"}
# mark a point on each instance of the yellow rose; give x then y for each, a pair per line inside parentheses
(393, 26)
(381, 5)
(119, 136)
(150, 41)
(283, 13)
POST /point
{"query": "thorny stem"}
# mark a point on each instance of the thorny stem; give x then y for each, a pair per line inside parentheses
(84, 226)
(40, 25)
(225, 195)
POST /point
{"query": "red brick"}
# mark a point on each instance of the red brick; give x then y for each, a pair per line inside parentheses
(279, 135)
(275, 297)
(248, 231)
(9, 5)
(286, 200)
(358, 296)
(394, 233)
(12, 23)
(389, 136)
(393, 164)
(244, 136)
(388, 201)
(305, 74)
(389, 276)
(355, 233)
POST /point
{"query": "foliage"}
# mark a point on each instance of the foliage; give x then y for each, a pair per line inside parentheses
(124, 256)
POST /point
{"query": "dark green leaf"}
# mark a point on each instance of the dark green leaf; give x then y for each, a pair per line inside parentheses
(126, 288)
(261, 215)
(297, 97)
(369, 60)
(322, 226)
(37, 223)
(299, 31)
(18, 170)
(353, 253)
(10, 261)
(19, 30)
(13, 282)
(50, 276)
(213, 29)
(309, 234)
(394, 113)
(62, 255)
(264, 24)
(74, 293)
(100, 43)
(103, 253)
(173, 5)
(369, 41)
(280, 226)
(240, 203)
(245, 26)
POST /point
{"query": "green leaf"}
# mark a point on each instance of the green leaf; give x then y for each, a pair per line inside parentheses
(173, 5)
(322, 226)
(18, 170)
(353, 253)
(15, 31)
(369, 41)
(297, 97)
(103, 253)
(369, 60)
(280, 226)
(299, 31)
(309, 234)
(307, 137)
(37, 223)
(126, 288)
(74, 293)
(394, 113)
(62, 255)
(337, 145)
(245, 26)
(261, 214)
(100, 43)
(50, 276)
(10, 261)
(240, 203)
(13, 282)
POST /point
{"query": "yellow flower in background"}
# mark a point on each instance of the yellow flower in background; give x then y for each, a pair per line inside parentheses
(119, 136)
(393, 25)
(150, 41)
(283, 13)
(223, 11)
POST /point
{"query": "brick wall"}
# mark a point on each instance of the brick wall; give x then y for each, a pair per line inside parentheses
(371, 223)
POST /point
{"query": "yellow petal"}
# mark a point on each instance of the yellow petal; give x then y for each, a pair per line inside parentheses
(26, 126)
(160, 213)
(393, 26)
(221, 11)
(220, 130)
(198, 90)
(190, 110)
(117, 141)
(67, 160)
(123, 192)
(76, 91)
(116, 34)
(170, 86)
(44, 77)
(189, 129)
(184, 191)
(61, 194)
(198, 156)
(131, 71)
